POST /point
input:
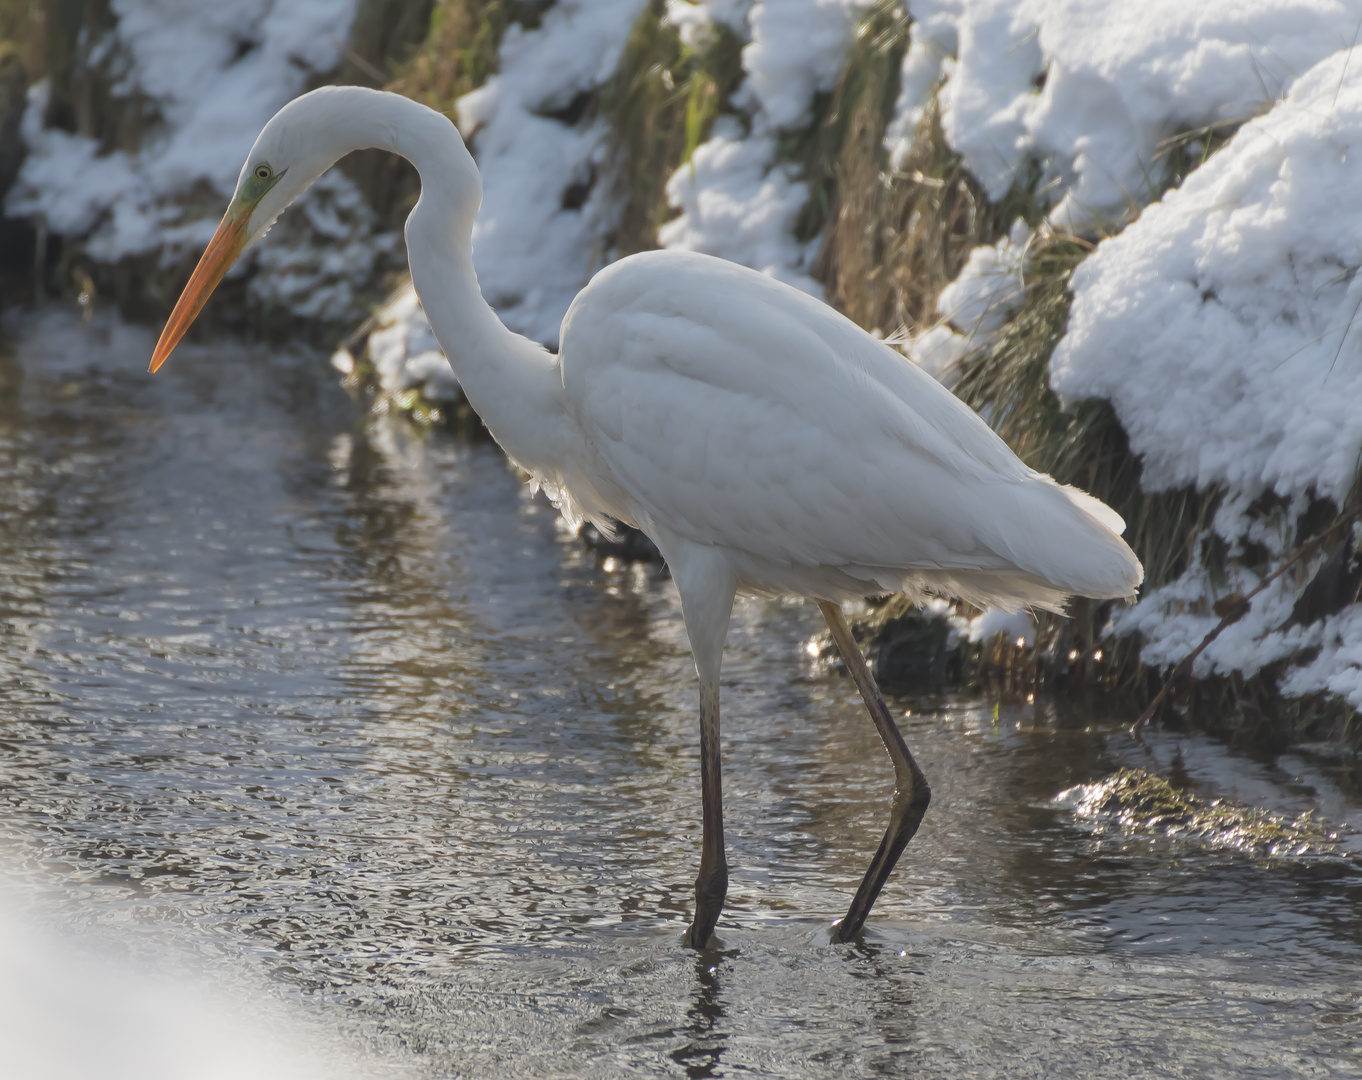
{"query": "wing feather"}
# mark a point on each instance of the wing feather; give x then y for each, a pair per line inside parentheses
(733, 410)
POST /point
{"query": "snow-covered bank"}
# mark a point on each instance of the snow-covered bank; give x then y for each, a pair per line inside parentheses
(1218, 324)
(545, 224)
(736, 199)
(1093, 109)
(545, 220)
(1089, 90)
(203, 80)
(542, 230)
(1223, 327)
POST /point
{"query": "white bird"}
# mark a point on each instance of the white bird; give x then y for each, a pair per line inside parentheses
(763, 441)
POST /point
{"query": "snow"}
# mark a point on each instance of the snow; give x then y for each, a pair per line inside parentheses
(1090, 90)
(533, 252)
(937, 351)
(737, 204)
(213, 75)
(796, 49)
(1013, 626)
(404, 352)
(736, 200)
(1222, 327)
(695, 22)
(974, 307)
(979, 301)
(1220, 324)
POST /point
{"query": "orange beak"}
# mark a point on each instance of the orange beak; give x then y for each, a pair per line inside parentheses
(217, 259)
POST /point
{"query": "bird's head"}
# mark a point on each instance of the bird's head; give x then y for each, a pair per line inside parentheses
(283, 163)
(304, 139)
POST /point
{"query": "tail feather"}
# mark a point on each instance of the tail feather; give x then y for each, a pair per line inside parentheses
(1095, 508)
(1062, 539)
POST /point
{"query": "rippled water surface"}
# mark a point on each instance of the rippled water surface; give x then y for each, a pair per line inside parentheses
(295, 692)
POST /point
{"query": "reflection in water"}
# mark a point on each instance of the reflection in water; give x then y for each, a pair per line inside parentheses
(302, 693)
(706, 1037)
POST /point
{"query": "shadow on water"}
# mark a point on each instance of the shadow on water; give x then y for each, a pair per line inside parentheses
(297, 691)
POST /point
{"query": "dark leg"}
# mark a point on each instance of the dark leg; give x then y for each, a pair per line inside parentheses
(911, 793)
(711, 886)
(706, 583)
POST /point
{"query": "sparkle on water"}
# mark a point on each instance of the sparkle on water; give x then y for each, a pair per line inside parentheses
(296, 693)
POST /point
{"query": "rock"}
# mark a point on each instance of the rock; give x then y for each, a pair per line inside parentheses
(629, 544)
(913, 650)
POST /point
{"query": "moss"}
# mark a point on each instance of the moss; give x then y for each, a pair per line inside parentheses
(661, 103)
(1139, 801)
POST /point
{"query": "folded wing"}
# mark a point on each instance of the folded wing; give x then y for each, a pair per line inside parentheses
(734, 410)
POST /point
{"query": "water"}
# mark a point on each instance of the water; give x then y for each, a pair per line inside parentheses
(295, 693)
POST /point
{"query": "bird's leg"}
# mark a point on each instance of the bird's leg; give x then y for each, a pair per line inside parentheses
(911, 793)
(711, 884)
(706, 583)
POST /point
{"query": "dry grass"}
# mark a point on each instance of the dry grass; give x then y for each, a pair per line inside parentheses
(1008, 382)
(459, 50)
(661, 103)
(892, 239)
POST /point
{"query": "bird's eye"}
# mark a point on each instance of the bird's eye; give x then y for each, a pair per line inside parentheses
(263, 172)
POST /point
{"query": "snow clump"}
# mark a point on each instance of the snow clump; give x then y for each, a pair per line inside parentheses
(544, 220)
(1015, 626)
(1090, 90)
(736, 201)
(213, 76)
(403, 350)
(1223, 326)
(974, 307)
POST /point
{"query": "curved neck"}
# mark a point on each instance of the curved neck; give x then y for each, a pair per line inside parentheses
(513, 383)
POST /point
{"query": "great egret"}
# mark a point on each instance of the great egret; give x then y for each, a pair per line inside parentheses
(763, 441)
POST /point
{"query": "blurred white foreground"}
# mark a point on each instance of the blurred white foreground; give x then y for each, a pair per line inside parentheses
(68, 1011)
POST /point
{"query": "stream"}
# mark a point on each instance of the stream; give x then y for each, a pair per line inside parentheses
(303, 696)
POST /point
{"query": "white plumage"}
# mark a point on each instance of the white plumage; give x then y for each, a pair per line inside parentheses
(718, 406)
(763, 441)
